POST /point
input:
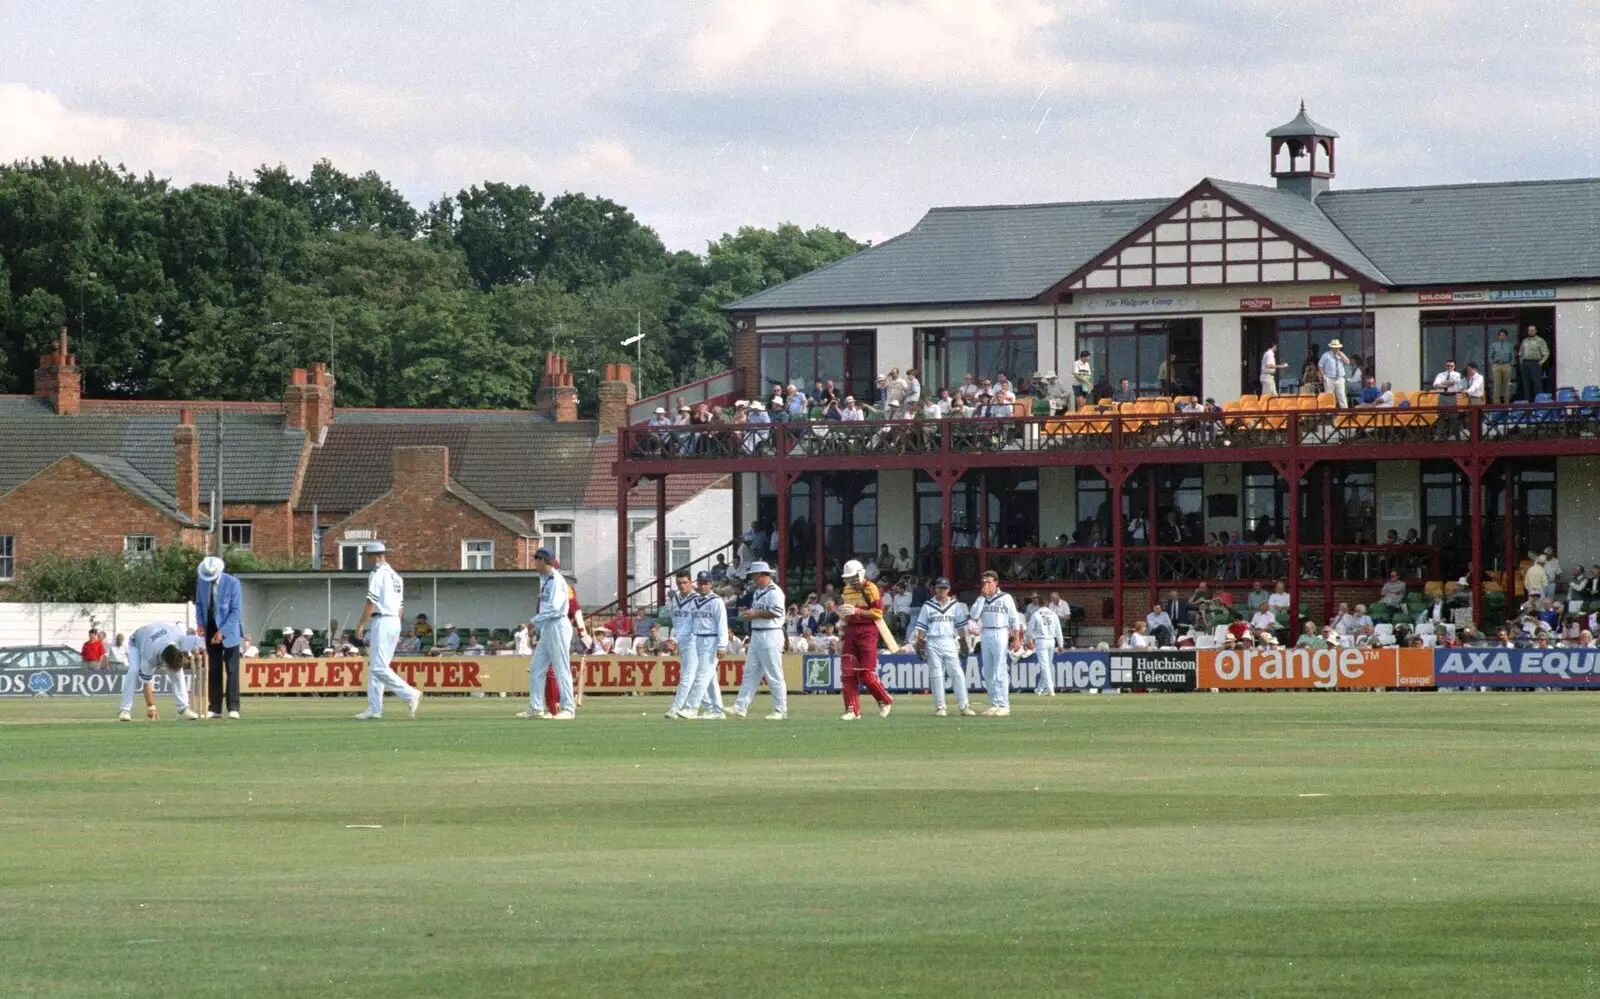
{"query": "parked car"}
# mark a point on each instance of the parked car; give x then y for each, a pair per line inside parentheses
(28, 657)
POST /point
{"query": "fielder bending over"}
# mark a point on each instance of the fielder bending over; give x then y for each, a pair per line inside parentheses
(163, 645)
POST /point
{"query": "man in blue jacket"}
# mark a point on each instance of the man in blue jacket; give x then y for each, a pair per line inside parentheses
(218, 606)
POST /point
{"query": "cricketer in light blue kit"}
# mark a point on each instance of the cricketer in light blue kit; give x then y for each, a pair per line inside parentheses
(710, 641)
(764, 660)
(681, 605)
(1044, 632)
(938, 634)
(1000, 629)
(386, 594)
(158, 645)
(554, 651)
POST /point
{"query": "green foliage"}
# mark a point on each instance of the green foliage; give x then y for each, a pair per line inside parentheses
(168, 577)
(217, 291)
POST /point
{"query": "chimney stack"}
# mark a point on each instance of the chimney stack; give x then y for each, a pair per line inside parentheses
(616, 395)
(308, 400)
(557, 395)
(58, 381)
(423, 467)
(186, 461)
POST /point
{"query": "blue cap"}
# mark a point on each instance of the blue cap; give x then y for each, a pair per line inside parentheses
(545, 554)
(704, 577)
(941, 583)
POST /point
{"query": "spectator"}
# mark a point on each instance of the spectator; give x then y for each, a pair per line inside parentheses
(1179, 610)
(1363, 619)
(1472, 385)
(1310, 638)
(1083, 379)
(899, 607)
(1257, 598)
(736, 571)
(1311, 374)
(1124, 392)
(913, 388)
(1062, 609)
(1352, 379)
(872, 569)
(1394, 591)
(894, 392)
(423, 629)
(1536, 579)
(1552, 570)
(409, 643)
(1535, 356)
(719, 571)
(1269, 370)
(1502, 358)
(852, 413)
(94, 650)
(117, 654)
(302, 644)
(1344, 622)
(1139, 637)
(654, 644)
(1386, 398)
(1264, 620)
(522, 640)
(1370, 392)
(1279, 599)
(247, 651)
(1159, 624)
(451, 640)
(1448, 380)
(1436, 614)
(1331, 367)
(735, 645)
(795, 403)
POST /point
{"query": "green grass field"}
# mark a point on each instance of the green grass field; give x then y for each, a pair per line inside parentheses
(1097, 846)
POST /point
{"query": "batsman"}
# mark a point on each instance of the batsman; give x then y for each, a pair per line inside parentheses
(861, 606)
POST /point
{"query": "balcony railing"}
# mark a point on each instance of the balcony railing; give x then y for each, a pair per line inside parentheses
(1097, 433)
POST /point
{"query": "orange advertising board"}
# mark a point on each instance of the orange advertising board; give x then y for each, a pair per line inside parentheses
(1308, 669)
(482, 674)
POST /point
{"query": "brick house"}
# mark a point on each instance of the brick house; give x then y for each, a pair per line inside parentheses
(445, 489)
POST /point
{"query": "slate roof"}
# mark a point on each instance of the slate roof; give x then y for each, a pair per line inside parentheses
(1395, 237)
(119, 471)
(260, 456)
(514, 465)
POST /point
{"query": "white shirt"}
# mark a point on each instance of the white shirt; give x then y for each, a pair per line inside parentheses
(1269, 363)
(524, 645)
(1157, 619)
(997, 613)
(852, 414)
(1138, 641)
(385, 590)
(250, 651)
(1264, 620)
(900, 603)
(1278, 600)
(554, 599)
(118, 653)
(710, 619)
(1474, 387)
(146, 645)
(1044, 626)
(940, 621)
(1061, 609)
(1447, 381)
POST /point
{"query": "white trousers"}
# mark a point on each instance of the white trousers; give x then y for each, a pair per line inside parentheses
(135, 681)
(764, 660)
(688, 669)
(707, 689)
(1044, 654)
(383, 634)
(944, 660)
(554, 653)
(1339, 397)
(996, 666)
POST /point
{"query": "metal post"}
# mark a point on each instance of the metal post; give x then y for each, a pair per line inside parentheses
(1293, 474)
(1508, 524)
(661, 541)
(782, 481)
(1150, 472)
(1116, 556)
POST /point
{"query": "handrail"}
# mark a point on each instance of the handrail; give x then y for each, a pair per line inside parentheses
(614, 606)
(708, 389)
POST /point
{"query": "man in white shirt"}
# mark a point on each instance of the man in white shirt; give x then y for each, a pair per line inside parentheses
(554, 651)
(1269, 370)
(1061, 609)
(385, 596)
(1331, 364)
(872, 569)
(1159, 624)
(937, 638)
(852, 411)
(1279, 600)
(1472, 385)
(1448, 380)
(1000, 629)
(159, 645)
(1264, 620)
(1344, 622)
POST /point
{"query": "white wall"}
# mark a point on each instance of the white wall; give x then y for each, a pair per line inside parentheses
(1058, 503)
(706, 520)
(465, 603)
(1577, 511)
(1577, 345)
(1399, 478)
(69, 624)
(897, 512)
(1398, 334)
(1220, 340)
(895, 349)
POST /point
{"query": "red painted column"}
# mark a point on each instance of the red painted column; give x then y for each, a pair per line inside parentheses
(1150, 472)
(623, 482)
(819, 511)
(1116, 556)
(1293, 539)
(947, 483)
(1327, 543)
(1508, 522)
(1475, 515)
(782, 482)
(661, 541)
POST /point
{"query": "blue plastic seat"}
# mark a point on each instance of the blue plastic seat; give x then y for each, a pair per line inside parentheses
(1566, 395)
(1591, 393)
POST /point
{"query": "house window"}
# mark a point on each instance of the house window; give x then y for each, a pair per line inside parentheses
(980, 351)
(8, 556)
(139, 547)
(477, 555)
(1157, 357)
(353, 557)
(844, 357)
(238, 534)
(677, 554)
(558, 538)
(635, 525)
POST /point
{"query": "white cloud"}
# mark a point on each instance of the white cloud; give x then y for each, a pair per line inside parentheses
(981, 43)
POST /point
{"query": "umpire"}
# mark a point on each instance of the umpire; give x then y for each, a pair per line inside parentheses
(218, 604)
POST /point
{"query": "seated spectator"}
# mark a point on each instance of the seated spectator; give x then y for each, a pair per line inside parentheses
(409, 642)
(827, 641)
(736, 571)
(423, 629)
(1264, 619)
(1124, 393)
(450, 641)
(1344, 622)
(247, 648)
(872, 569)
(1239, 630)
(281, 652)
(852, 413)
(1062, 609)
(719, 571)
(1139, 637)
(735, 645)
(1310, 638)
(302, 644)
(654, 644)
(1279, 598)
(1370, 393)
(1448, 380)
(347, 648)
(1394, 591)
(1436, 613)
(1159, 624)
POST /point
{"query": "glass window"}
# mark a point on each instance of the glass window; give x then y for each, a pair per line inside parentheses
(677, 554)
(477, 555)
(1462, 337)
(139, 547)
(237, 534)
(1298, 335)
(1266, 503)
(1158, 357)
(1094, 508)
(557, 536)
(352, 558)
(802, 359)
(635, 525)
(8, 556)
(951, 353)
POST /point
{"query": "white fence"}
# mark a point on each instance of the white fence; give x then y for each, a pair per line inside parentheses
(69, 624)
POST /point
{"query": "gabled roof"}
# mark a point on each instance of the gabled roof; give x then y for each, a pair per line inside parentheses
(1543, 230)
(260, 456)
(516, 525)
(1389, 237)
(988, 254)
(136, 482)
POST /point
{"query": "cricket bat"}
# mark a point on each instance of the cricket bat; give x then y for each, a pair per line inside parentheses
(887, 636)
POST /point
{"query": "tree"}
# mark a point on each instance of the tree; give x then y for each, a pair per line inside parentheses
(501, 230)
(591, 241)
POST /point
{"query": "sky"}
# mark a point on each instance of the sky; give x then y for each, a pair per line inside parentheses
(705, 115)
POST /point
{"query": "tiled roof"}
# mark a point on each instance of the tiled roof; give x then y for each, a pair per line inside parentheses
(1394, 237)
(260, 457)
(516, 525)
